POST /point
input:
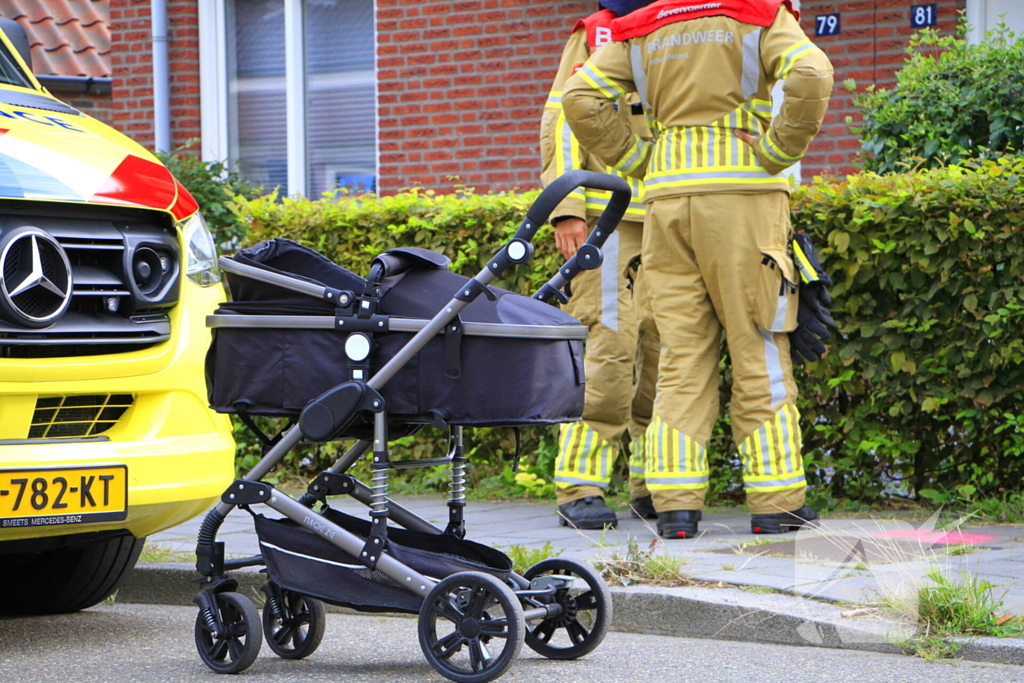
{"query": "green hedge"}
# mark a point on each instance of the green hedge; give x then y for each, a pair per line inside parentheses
(952, 100)
(926, 385)
(469, 228)
(924, 388)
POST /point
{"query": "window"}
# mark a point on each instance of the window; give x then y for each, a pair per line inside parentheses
(257, 115)
(10, 72)
(294, 82)
(341, 96)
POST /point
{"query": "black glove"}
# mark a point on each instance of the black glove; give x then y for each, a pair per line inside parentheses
(807, 341)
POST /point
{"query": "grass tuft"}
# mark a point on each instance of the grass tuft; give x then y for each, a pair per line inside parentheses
(523, 557)
(956, 607)
(653, 566)
(157, 553)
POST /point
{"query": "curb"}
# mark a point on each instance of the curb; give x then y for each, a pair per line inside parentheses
(691, 612)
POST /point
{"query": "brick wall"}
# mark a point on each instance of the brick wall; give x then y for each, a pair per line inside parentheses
(132, 63)
(869, 48)
(96, 105)
(462, 86)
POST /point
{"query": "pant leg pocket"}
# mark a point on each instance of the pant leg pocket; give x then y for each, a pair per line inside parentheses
(776, 301)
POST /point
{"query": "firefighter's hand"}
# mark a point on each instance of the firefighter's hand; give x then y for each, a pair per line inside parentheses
(570, 235)
(745, 136)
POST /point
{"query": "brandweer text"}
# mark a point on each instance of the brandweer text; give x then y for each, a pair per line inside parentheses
(693, 38)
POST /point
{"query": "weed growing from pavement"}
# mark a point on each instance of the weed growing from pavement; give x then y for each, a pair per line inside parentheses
(920, 586)
(523, 557)
(653, 566)
(930, 648)
(156, 553)
(945, 606)
(746, 545)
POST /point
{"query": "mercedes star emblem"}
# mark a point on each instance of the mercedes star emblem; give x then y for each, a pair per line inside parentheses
(35, 281)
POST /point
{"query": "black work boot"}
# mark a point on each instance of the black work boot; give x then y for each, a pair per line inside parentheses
(678, 523)
(587, 513)
(781, 522)
(643, 508)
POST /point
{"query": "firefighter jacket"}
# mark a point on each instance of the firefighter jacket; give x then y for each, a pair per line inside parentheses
(703, 70)
(560, 151)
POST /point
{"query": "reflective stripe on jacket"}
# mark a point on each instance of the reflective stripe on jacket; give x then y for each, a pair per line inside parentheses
(701, 79)
(561, 152)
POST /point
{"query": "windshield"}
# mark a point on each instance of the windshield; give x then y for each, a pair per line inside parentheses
(10, 72)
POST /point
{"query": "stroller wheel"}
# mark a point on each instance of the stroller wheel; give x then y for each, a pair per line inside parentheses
(586, 611)
(471, 627)
(293, 630)
(236, 645)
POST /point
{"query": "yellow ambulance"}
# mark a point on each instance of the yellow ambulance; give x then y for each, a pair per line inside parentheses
(107, 272)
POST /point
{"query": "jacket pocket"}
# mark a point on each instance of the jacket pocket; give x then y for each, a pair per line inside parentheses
(776, 302)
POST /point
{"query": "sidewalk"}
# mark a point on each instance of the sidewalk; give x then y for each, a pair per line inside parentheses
(851, 563)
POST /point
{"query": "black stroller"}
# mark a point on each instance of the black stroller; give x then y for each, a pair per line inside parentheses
(374, 360)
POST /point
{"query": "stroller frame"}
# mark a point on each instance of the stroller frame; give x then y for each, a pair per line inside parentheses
(225, 620)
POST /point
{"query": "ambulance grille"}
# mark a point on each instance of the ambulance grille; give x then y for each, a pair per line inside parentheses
(66, 417)
(111, 311)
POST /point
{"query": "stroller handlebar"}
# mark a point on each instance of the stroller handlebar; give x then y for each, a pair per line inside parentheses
(589, 255)
(520, 248)
(560, 188)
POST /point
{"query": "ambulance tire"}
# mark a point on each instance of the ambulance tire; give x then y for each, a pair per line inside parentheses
(66, 578)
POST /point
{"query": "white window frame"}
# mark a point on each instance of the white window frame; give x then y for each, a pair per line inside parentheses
(213, 80)
(975, 13)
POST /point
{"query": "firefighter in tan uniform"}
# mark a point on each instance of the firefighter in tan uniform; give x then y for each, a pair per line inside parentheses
(715, 254)
(620, 365)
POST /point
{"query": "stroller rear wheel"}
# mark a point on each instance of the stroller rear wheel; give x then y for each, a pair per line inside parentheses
(464, 620)
(293, 624)
(586, 611)
(235, 644)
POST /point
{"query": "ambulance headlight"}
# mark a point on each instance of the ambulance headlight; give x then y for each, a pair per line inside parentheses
(200, 251)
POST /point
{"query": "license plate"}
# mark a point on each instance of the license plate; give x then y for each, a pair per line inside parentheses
(71, 495)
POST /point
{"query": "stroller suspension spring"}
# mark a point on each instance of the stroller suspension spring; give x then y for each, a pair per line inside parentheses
(211, 622)
(379, 491)
(275, 608)
(457, 480)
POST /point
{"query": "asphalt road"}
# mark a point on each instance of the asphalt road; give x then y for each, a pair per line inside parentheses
(153, 644)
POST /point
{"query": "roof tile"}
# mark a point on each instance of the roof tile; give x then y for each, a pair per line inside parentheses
(67, 37)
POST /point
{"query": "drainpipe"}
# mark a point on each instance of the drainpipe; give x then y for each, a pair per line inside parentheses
(161, 78)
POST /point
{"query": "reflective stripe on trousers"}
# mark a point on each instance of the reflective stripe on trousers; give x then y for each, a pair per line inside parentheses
(674, 460)
(584, 458)
(771, 455)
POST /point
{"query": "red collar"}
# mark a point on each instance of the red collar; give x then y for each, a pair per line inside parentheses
(598, 27)
(664, 12)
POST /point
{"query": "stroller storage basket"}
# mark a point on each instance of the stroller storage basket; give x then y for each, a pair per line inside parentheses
(515, 361)
(300, 560)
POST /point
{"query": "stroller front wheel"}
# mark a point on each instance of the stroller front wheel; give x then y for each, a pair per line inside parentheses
(466, 618)
(296, 627)
(234, 644)
(586, 611)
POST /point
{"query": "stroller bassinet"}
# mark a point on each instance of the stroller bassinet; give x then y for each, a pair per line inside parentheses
(509, 361)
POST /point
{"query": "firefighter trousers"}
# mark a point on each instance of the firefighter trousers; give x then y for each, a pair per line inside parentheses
(620, 368)
(714, 263)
